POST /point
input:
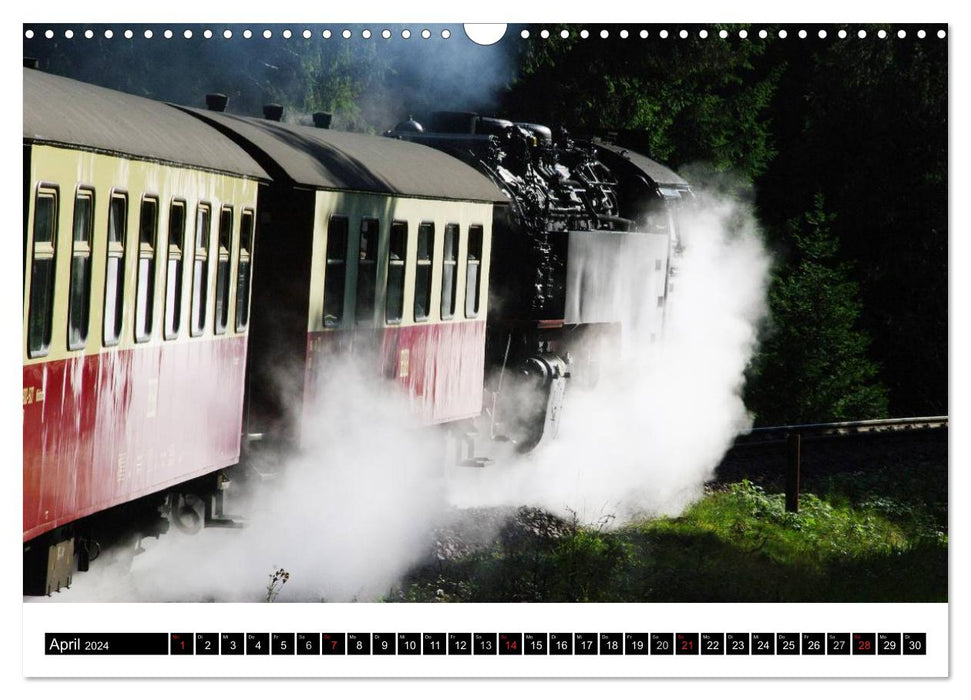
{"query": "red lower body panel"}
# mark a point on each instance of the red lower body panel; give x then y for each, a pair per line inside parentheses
(104, 429)
(440, 366)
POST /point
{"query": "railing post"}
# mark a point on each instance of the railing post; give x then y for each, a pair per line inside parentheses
(793, 448)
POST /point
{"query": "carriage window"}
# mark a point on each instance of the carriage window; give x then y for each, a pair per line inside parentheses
(79, 298)
(335, 271)
(423, 271)
(115, 268)
(472, 272)
(200, 271)
(367, 270)
(397, 249)
(222, 268)
(145, 292)
(173, 273)
(245, 270)
(41, 307)
(449, 262)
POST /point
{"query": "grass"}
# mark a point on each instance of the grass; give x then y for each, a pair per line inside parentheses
(737, 544)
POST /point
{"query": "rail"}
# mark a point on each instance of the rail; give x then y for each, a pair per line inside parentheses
(792, 436)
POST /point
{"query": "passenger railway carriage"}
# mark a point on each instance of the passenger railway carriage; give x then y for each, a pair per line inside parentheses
(381, 249)
(191, 277)
(138, 241)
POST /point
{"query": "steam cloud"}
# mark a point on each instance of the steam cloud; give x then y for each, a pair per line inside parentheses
(356, 508)
(645, 439)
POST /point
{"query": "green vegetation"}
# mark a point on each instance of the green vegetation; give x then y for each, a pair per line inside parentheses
(737, 544)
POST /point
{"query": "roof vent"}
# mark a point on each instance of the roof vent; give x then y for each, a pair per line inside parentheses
(216, 102)
(273, 112)
(322, 119)
(30, 62)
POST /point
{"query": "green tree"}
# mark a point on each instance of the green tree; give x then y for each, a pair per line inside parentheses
(813, 364)
(679, 100)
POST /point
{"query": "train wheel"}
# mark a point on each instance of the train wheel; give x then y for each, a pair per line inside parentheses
(187, 513)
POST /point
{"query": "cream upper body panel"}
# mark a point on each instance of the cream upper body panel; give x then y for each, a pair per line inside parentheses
(387, 210)
(67, 171)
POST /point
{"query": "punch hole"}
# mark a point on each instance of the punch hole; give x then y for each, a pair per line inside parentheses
(29, 34)
(941, 34)
(405, 33)
(663, 33)
(545, 33)
(624, 34)
(366, 34)
(763, 34)
(743, 34)
(49, 33)
(88, 34)
(287, 34)
(425, 34)
(325, 34)
(346, 33)
(129, 34)
(307, 34)
(167, 34)
(267, 34)
(723, 33)
(921, 34)
(783, 33)
(524, 34)
(228, 34)
(822, 34)
(148, 34)
(841, 34)
(564, 34)
(247, 34)
(207, 34)
(187, 34)
(446, 34)
(485, 34)
(604, 34)
(861, 34)
(109, 34)
(68, 34)
(882, 34)
(643, 34)
(386, 33)
(704, 33)
(584, 34)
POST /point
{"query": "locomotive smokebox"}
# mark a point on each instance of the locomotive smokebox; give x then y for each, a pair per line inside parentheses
(216, 102)
(273, 112)
(322, 119)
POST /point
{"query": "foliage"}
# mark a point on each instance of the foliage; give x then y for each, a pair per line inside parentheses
(278, 580)
(680, 101)
(738, 544)
(813, 365)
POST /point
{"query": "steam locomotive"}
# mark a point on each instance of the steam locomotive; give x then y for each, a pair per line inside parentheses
(176, 259)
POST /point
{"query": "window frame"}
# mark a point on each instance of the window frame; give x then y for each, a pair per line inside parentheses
(47, 253)
(172, 328)
(331, 265)
(424, 267)
(469, 260)
(367, 317)
(200, 254)
(115, 250)
(146, 251)
(452, 263)
(244, 261)
(224, 255)
(396, 265)
(81, 250)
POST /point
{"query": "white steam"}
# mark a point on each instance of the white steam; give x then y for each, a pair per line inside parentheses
(356, 508)
(648, 436)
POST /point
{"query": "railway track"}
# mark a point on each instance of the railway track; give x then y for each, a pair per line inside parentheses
(777, 434)
(896, 449)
